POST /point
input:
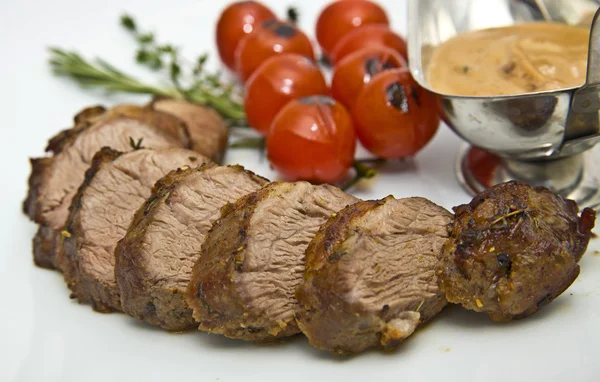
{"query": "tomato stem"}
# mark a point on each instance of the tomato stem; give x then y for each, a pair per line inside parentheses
(249, 143)
(362, 172)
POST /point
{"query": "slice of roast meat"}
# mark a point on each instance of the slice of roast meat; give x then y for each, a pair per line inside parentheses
(513, 249)
(370, 274)
(54, 180)
(156, 256)
(90, 115)
(208, 131)
(243, 285)
(114, 188)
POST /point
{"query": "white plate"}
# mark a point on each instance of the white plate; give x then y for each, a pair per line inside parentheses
(44, 336)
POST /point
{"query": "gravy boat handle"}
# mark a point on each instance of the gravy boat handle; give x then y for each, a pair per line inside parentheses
(582, 127)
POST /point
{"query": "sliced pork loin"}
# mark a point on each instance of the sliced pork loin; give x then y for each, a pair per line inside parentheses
(156, 256)
(173, 125)
(114, 188)
(54, 180)
(208, 131)
(252, 260)
(370, 274)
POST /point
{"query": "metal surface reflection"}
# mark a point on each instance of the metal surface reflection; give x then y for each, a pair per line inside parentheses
(533, 134)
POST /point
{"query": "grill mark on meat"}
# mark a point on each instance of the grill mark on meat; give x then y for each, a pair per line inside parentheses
(383, 286)
(155, 258)
(103, 208)
(248, 280)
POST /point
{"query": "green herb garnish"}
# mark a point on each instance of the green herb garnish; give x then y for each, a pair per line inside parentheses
(136, 145)
(293, 15)
(188, 81)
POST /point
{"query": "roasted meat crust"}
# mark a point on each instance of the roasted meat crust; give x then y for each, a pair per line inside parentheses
(140, 296)
(342, 264)
(82, 120)
(214, 273)
(512, 250)
(129, 275)
(44, 243)
(243, 284)
(66, 258)
(320, 324)
(207, 130)
(114, 187)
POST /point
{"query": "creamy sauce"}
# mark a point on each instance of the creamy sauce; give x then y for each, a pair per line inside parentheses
(518, 59)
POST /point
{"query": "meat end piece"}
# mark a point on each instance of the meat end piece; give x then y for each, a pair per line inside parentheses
(252, 260)
(512, 250)
(155, 258)
(208, 131)
(54, 180)
(114, 187)
(370, 275)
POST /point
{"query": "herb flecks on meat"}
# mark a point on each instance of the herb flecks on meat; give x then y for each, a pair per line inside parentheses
(512, 250)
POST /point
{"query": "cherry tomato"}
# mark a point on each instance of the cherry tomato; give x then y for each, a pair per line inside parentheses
(357, 69)
(276, 82)
(394, 117)
(365, 37)
(272, 37)
(237, 20)
(312, 139)
(340, 17)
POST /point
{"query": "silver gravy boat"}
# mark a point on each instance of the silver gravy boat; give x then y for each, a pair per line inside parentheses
(543, 138)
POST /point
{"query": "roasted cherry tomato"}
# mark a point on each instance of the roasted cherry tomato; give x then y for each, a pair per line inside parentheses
(276, 82)
(272, 37)
(312, 139)
(365, 37)
(357, 69)
(237, 20)
(340, 17)
(394, 117)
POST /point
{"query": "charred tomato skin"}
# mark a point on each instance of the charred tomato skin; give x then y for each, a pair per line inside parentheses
(277, 81)
(394, 117)
(270, 38)
(312, 139)
(368, 36)
(341, 17)
(357, 69)
(236, 21)
(512, 250)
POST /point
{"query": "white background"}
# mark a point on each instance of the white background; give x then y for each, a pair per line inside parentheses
(44, 336)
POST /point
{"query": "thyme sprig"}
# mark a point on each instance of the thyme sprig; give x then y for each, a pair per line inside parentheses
(101, 74)
(136, 145)
(249, 143)
(293, 15)
(152, 54)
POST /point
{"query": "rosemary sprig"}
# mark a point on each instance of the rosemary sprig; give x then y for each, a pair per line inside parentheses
(198, 86)
(101, 75)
